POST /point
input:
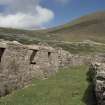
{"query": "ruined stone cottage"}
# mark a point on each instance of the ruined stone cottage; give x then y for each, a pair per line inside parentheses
(19, 64)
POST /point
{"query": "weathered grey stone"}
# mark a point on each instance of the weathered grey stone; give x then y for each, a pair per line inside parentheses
(98, 76)
(19, 64)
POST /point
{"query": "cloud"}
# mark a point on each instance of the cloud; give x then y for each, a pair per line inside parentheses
(27, 14)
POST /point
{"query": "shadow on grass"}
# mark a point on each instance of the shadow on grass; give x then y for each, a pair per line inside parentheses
(89, 95)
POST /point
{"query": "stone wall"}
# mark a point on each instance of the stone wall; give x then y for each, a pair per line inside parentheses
(15, 69)
(98, 76)
(19, 64)
(67, 59)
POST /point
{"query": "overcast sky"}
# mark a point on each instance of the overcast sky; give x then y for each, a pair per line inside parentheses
(34, 14)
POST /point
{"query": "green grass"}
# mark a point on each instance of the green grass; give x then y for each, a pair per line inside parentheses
(82, 49)
(67, 87)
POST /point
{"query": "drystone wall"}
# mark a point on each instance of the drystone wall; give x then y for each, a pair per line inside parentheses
(98, 77)
(66, 59)
(19, 64)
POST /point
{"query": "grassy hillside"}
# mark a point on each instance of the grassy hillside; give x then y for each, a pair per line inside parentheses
(68, 87)
(89, 27)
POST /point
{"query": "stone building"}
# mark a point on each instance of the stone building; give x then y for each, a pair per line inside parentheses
(19, 64)
(97, 71)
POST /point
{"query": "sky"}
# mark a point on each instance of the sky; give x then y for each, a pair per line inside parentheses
(42, 14)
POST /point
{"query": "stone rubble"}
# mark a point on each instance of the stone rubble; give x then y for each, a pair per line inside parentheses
(97, 70)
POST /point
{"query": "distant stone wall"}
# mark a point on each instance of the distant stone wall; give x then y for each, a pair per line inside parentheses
(66, 59)
(15, 69)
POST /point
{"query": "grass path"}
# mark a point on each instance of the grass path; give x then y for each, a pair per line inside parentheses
(68, 87)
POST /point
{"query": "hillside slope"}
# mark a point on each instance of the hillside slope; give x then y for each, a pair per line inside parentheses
(89, 27)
